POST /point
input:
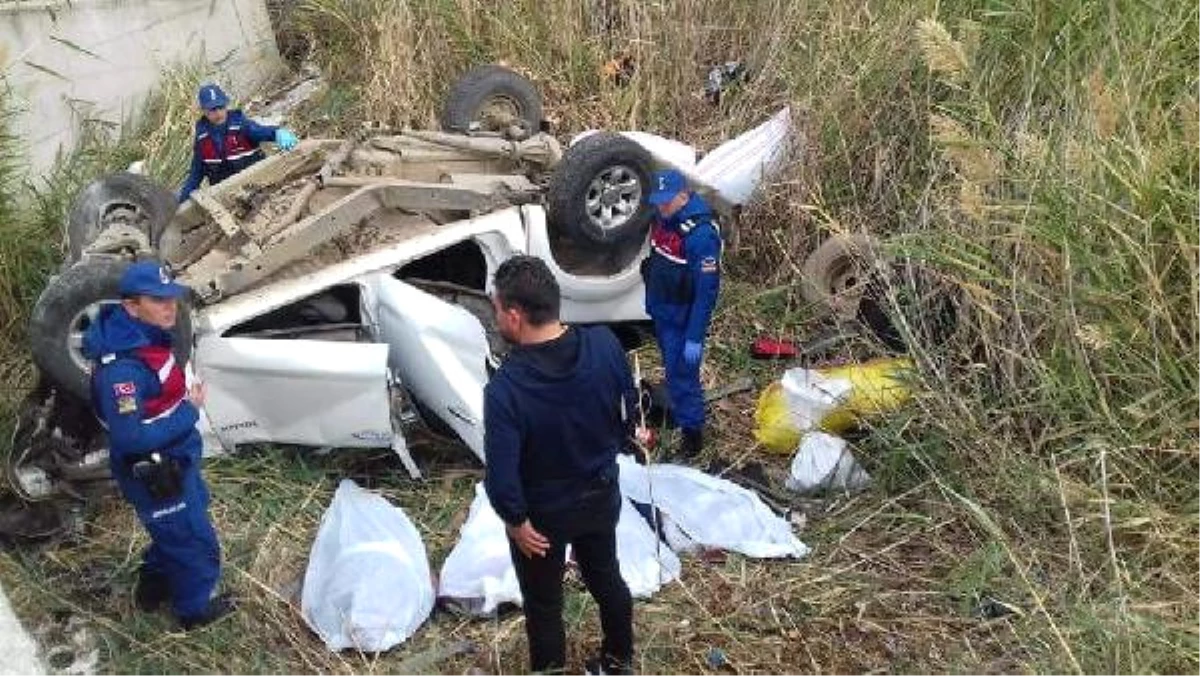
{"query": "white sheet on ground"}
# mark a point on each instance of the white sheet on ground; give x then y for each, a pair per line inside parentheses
(367, 586)
(479, 573)
(712, 511)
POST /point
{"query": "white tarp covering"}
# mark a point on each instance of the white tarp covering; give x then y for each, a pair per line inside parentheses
(479, 575)
(713, 512)
(367, 586)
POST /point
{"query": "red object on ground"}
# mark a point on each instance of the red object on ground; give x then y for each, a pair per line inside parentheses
(772, 348)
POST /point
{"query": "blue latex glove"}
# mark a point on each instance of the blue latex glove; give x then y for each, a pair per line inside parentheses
(691, 352)
(285, 139)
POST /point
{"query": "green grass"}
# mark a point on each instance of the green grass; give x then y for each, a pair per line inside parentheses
(1036, 163)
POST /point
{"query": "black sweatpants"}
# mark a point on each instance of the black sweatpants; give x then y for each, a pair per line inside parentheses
(589, 525)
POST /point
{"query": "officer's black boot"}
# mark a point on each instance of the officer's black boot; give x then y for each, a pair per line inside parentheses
(219, 606)
(693, 441)
(151, 591)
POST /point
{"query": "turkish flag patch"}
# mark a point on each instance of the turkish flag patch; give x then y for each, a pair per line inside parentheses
(125, 389)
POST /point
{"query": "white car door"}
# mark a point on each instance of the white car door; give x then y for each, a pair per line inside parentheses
(439, 351)
(310, 392)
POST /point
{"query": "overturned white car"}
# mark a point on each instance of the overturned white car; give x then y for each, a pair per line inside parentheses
(341, 288)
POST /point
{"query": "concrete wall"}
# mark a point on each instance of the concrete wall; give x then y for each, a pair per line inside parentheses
(64, 61)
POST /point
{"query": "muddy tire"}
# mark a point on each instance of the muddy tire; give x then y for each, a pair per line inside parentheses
(598, 191)
(67, 306)
(120, 198)
(836, 275)
(492, 98)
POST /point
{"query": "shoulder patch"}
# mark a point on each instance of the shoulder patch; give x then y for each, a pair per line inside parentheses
(708, 264)
(126, 389)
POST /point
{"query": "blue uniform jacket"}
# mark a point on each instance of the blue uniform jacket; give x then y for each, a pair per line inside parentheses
(555, 417)
(121, 386)
(683, 273)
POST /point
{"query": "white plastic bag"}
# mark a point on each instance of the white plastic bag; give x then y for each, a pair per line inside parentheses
(711, 511)
(478, 574)
(811, 395)
(737, 167)
(367, 586)
(823, 462)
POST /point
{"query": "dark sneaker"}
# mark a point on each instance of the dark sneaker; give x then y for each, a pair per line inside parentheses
(219, 606)
(151, 591)
(599, 665)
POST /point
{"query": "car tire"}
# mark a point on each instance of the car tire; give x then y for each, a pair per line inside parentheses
(597, 193)
(66, 308)
(835, 276)
(129, 198)
(485, 90)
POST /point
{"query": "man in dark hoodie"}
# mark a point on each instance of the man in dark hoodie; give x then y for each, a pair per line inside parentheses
(141, 395)
(682, 276)
(556, 414)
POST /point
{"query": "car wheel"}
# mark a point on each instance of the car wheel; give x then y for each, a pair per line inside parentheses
(68, 306)
(493, 98)
(835, 276)
(598, 191)
(119, 199)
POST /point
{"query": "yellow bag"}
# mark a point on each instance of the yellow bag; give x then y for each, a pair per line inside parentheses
(773, 426)
(876, 387)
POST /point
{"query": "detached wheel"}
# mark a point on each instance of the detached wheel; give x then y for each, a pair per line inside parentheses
(837, 273)
(598, 191)
(67, 308)
(119, 199)
(493, 98)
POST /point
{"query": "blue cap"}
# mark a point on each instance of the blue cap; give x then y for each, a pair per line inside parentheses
(211, 97)
(148, 278)
(667, 184)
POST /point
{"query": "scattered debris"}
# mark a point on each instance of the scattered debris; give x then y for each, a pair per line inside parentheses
(619, 70)
(765, 347)
(832, 399)
(720, 77)
(274, 108)
(70, 647)
(715, 658)
(989, 607)
(824, 463)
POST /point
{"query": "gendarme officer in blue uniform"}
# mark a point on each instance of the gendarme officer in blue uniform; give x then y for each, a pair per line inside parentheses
(141, 396)
(226, 141)
(682, 276)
